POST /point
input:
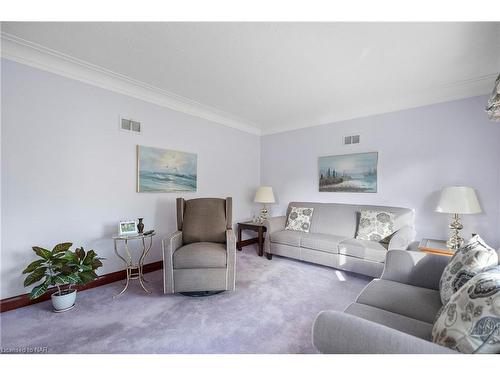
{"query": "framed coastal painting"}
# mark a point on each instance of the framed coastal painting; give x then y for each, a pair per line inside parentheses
(163, 171)
(352, 173)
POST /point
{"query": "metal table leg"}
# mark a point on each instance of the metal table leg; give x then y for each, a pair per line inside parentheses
(134, 271)
(127, 265)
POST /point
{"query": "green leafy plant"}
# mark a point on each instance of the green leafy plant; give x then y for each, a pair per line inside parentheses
(62, 268)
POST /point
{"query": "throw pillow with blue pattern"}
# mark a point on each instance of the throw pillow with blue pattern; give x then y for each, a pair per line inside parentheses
(299, 219)
(466, 263)
(375, 226)
(470, 321)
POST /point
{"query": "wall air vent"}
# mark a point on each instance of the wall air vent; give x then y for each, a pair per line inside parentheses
(351, 139)
(130, 125)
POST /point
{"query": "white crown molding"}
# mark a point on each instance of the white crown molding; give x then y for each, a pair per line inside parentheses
(35, 55)
(432, 95)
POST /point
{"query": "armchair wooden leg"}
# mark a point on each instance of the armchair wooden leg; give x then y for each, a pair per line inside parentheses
(269, 256)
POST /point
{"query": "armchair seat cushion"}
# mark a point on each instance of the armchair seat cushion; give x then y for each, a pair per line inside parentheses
(200, 255)
(322, 242)
(408, 300)
(363, 249)
(287, 237)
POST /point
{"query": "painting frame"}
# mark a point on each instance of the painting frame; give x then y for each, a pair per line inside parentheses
(368, 183)
(192, 179)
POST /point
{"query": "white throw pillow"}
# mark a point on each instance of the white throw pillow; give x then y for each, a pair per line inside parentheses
(466, 263)
(470, 321)
(299, 219)
(375, 225)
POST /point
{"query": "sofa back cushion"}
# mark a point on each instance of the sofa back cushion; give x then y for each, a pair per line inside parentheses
(204, 220)
(342, 219)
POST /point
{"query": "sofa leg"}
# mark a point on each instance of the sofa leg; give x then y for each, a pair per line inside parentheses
(269, 256)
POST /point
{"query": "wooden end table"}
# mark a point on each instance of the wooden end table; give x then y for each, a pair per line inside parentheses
(435, 247)
(256, 227)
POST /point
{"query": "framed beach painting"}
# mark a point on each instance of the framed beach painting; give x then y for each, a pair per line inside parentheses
(164, 171)
(352, 173)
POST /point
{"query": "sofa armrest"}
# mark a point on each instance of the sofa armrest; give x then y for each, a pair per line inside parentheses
(231, 259)
(169, 244)
(415, 268)
(274, 224)
(340, 333)
(402, 238)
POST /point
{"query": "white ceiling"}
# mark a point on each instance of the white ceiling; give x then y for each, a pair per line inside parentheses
(282, 76)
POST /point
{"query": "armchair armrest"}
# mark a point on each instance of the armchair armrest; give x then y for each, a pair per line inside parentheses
(402, 238)
(415, 268)
(340, 333)
(172, 242)
(231, 260)
(169, 244)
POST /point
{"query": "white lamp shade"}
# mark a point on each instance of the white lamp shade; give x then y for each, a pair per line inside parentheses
(458, 200)
(264, 195)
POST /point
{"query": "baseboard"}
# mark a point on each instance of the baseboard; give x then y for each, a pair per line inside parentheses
(23, 300)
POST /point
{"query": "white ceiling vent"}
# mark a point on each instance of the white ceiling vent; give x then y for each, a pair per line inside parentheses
(130, 125)
(351, 139)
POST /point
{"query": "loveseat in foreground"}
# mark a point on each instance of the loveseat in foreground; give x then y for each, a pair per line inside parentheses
(393, 314)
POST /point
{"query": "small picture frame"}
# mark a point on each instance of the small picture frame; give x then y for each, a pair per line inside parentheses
(128, 227)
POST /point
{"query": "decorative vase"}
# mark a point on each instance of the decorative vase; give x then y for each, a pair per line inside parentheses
(140, 225)
(65, 301)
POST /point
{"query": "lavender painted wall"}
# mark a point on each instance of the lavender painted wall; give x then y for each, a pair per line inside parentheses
(420, 151)
(69, 174)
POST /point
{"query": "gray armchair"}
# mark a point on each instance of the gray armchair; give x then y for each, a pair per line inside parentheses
(201, 255)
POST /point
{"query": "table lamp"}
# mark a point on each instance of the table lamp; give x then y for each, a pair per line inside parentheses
(457, 200)
(264, 195)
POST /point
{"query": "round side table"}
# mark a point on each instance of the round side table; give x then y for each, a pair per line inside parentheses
(134, 270)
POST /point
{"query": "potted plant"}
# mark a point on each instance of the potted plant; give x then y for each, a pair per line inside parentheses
(61, 268)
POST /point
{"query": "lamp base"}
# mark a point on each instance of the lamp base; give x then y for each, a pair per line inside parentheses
(455, 241)
(263, 214)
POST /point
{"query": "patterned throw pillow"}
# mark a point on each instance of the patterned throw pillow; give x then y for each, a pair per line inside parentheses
(299, 219)
(470, 322)
(466, 263)
(375, 225)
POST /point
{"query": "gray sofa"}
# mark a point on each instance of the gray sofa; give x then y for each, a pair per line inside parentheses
(331, 239)
(393, 314)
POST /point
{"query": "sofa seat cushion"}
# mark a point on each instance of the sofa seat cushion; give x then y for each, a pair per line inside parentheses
(370, 250)
(402, 323)
(287, 237)
(200, 255)
(323, 242)
(408, 300)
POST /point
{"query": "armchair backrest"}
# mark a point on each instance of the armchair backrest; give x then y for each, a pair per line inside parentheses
(204, 219)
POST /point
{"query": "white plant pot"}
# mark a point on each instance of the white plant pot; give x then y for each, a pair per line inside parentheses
(63, 302)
